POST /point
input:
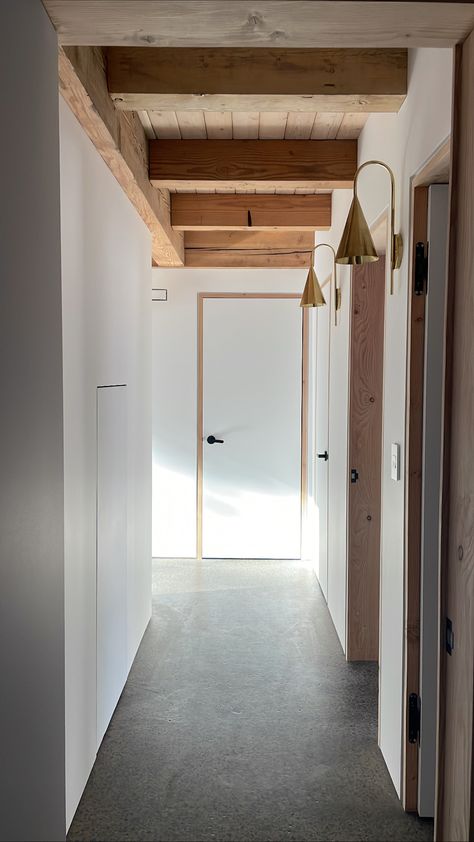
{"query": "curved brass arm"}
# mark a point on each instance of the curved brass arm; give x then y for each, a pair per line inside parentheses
(337, 291)
(396, 242)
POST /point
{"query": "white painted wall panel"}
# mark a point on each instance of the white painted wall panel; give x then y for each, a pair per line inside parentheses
(31, 432)
(107, 339)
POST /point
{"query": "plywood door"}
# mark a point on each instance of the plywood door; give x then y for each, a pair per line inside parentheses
(111, 551)
(252, 400)
(365, 445)
(322, 443)
(455, 819)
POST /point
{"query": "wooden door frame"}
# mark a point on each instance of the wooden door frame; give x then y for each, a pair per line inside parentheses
(435, 170)
(304, 398)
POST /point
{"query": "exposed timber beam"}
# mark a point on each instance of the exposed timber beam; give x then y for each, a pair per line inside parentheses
(256, 79)
(120, 140)
(270, 23)
(211, 164)
(221, 212)
(248, 248)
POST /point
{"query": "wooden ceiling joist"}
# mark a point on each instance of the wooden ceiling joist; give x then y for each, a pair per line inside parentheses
(256, 79)
(270, 23)
(248, 248)
(120, 140)
(220, 212)
(212, 164)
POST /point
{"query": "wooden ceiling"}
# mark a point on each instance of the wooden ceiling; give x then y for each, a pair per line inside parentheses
(252, 125)
(181, 97)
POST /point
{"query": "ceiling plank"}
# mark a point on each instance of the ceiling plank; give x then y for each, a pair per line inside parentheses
(218, 124)
(120, 140)
(243, 79)
(326, 125)
(351, 126)
(272, 125)
(245, 125)
(216, 212)
(312, 164)
(299, 125)
(291, 23)
(165, 125)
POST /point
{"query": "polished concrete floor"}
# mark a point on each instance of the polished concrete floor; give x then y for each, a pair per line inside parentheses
(242, 721)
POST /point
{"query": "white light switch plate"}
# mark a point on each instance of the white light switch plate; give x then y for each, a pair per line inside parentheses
(395, 465)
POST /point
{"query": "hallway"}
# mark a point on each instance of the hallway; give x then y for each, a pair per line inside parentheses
(241, 720)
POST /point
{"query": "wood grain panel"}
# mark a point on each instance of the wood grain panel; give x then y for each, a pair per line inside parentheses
(191, 125)
(413, 508)
(284, 240)
(245, 125)
(272, 125)
(194, 211)
(291, 23)
(147, 125)
(262, 163)
(165, 125)
(299, 125)
(365, 455)
(248, 248)
(246, 259)
(120, 140)
(326, 125)
(218, 125)
(455, 807)
(351, 126)
(243, 79)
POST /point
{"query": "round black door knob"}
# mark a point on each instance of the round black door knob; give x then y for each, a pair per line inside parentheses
(213, 440)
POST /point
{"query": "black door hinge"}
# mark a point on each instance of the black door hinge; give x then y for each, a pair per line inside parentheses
(414, 717)
(421, 269)
(449, 636)
(354, 475)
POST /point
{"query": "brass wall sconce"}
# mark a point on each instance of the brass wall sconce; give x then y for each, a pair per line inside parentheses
(312, 293)
(356, 244)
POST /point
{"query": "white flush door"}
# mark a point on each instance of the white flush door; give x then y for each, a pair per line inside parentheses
(322, 445)
(251, 366)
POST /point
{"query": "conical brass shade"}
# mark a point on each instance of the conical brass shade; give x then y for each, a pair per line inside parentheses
(312, 293)
(356, 244)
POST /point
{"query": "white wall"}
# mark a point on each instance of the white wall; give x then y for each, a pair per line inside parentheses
(404, 141)
(106, 264)
(175, 391)
(31, 432)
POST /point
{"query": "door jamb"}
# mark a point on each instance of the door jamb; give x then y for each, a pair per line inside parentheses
(435, 170)
(304, 400)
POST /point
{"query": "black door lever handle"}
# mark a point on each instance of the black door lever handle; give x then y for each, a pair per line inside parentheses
(324, 456)
(213, 440)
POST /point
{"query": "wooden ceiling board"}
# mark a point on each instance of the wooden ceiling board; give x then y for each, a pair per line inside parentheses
(289, 23)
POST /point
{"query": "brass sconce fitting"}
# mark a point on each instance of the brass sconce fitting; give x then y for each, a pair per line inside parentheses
(312, 293)
(356, 244)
